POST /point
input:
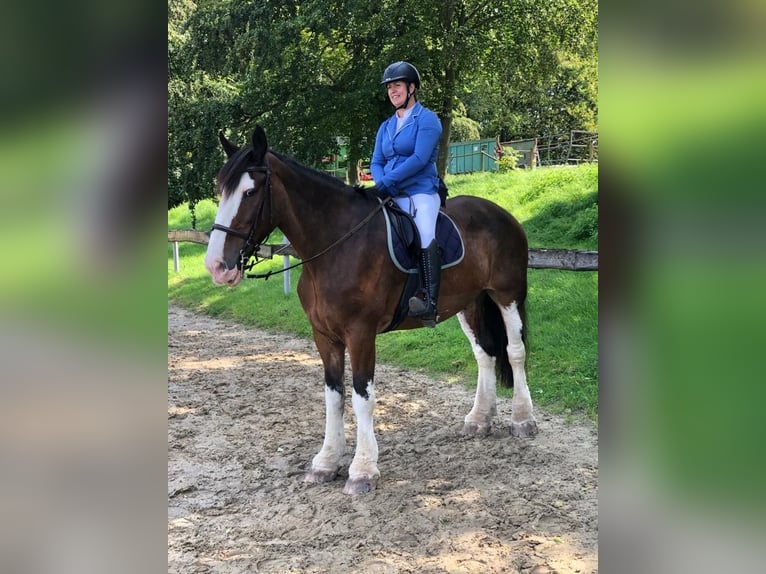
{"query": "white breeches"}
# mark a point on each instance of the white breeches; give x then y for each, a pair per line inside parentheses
(424, 207)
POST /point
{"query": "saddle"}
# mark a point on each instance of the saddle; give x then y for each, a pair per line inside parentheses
(403, 242)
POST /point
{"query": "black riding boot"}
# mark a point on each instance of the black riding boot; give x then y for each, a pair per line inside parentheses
(430, 276)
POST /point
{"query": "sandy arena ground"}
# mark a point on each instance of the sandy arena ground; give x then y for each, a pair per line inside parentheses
(246, 415)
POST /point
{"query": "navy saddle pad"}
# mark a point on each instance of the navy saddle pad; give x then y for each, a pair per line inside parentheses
(448, 238)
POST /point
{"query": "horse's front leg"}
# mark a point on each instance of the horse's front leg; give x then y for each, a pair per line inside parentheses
(325, 465)
(363, 473)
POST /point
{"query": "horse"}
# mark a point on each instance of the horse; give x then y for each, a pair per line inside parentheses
(349, 289)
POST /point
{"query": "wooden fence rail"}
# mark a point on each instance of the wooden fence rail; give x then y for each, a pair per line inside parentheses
(566, 259)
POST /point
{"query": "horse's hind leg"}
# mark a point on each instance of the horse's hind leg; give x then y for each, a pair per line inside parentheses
(325, 465)
(479, 420)
(523, 423)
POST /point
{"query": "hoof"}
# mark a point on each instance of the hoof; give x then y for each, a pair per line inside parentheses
(320, 476)
(472, 429)
(524, 430)
(360, 485)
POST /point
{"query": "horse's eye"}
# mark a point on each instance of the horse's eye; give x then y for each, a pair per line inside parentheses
(250, 192)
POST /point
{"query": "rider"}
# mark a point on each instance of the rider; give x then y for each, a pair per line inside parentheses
(403, 166)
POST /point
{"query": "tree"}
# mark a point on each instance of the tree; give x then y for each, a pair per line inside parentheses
(309, 71)
(552, 87)
(463, 128)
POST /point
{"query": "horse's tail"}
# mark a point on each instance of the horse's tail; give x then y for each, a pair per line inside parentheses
(493, 337)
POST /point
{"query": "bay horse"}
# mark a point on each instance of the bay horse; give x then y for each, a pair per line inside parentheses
(349, 288)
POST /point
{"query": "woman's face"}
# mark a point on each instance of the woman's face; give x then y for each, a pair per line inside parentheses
(397, 92)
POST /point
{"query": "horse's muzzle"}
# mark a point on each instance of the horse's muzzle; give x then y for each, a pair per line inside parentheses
(222, 275)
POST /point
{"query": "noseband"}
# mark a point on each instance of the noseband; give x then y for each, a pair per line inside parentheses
(249, 248)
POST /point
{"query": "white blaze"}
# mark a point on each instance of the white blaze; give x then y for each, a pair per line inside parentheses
(227, 210)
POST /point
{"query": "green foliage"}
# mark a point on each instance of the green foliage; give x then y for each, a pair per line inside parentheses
(556, 206)
(310, 72)
(539, 75)
(509, 161)
(464, 130)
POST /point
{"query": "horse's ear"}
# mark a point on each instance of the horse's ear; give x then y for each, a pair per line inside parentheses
(228, 147)
(260, 145)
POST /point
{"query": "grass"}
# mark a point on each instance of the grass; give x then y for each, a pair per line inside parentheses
(558, 208)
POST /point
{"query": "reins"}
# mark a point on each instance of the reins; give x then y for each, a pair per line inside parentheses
(353, 230)
(246, 264)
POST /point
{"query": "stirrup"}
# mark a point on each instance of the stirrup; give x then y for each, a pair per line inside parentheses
(423, 310)
(418, 306)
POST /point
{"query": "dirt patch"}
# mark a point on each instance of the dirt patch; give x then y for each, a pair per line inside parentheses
(246, 415)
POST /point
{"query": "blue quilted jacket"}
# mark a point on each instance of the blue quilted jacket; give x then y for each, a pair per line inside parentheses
(405, 162)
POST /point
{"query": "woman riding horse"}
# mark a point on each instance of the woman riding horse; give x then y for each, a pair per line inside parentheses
(403, 166)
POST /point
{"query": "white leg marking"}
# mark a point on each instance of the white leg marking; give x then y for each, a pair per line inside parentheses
(328, 459)
(365, 463)
(485, 402)
(522, 401)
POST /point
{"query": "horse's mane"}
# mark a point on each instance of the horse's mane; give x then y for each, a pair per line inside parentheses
(307, 171)
(323, 176)
(229, 175)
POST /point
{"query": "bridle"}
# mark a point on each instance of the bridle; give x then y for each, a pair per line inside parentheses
(249, 248)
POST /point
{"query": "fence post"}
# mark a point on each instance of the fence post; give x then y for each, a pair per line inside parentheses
(286, 274)
(175, 256)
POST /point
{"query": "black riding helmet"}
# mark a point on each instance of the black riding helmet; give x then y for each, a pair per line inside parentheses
(401, 71)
